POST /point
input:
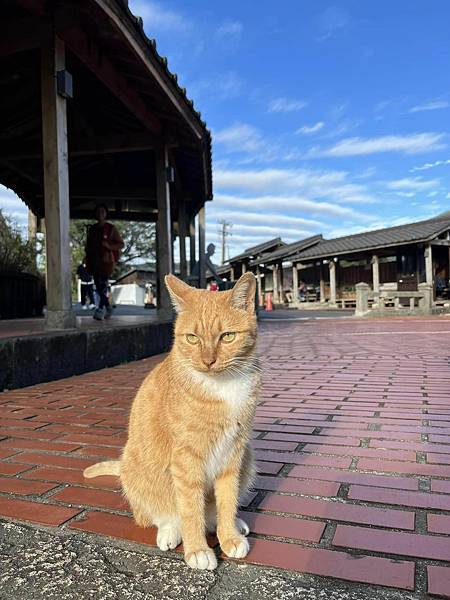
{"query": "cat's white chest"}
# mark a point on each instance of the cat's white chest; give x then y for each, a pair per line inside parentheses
(236, 392)
(220, 454)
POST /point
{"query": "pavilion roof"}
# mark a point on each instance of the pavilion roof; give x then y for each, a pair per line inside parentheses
(288, 250)
(421, 231)
(126, 103)
(260, 248)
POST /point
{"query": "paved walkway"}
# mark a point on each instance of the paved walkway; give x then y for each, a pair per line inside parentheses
(352, 436)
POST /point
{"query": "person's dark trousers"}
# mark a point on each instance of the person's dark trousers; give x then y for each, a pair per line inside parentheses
(101, 285)
(87, 291)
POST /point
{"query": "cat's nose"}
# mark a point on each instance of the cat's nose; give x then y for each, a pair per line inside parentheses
(208, 360)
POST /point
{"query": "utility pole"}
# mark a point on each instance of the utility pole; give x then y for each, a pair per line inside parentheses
(224, 232)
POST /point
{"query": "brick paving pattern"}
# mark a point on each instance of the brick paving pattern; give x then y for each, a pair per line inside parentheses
(352, 437)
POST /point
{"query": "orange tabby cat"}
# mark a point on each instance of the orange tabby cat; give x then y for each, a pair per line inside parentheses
(188, 459)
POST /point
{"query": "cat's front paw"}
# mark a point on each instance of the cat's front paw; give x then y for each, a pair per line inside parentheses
(168, 538)
(236, 547)
(204, 559)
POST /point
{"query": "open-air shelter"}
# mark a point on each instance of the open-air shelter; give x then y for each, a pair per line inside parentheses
(90, 113)
(396, 259)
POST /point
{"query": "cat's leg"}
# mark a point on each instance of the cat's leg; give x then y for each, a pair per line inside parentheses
(211, 520)
(169, 532)
(187, 473)
(247, 478)
(232, 542)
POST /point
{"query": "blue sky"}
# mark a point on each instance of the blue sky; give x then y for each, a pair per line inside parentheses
(326, 117)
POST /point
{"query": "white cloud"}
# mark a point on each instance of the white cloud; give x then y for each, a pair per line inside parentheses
(405, 194)
(309, 130)
(230, 28)
(283, 222)
(316, 184)
(239, 137)
(158, 18)
(286, 105)
(381, 106)
(416, 184)
(223, 86)
(426, 166)
(332, 20)
(432, 194)
(366, 173)
(342, 128)
(408, 144)
(434, 105)
(289, 203)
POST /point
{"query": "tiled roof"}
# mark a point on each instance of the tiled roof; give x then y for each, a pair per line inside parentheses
(285, 252)
(181, 91)
(255, 250)
(421, 231)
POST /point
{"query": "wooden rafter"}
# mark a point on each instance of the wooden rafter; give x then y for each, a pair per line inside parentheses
(87, 51)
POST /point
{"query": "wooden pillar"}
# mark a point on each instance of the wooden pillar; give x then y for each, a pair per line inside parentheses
(280, 283)
(56, 188)
(322, 285)
(332, 266)
(32, 226)
(258, 282)
(294, 284)
(201, 246)
(192, 260)
(244, 268)
(182, 237)
(232, 273)
(376, 274)
(429, 264)
(275, 283)
(163, 232)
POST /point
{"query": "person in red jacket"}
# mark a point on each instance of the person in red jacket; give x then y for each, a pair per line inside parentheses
(103, 246)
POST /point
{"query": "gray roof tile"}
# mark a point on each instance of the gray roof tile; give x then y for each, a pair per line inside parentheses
(421, 231)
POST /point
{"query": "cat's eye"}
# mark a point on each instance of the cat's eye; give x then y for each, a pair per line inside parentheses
(192, 339)
(228, 337)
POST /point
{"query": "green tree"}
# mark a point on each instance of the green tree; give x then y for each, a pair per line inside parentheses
(139, 243)
(16, 253)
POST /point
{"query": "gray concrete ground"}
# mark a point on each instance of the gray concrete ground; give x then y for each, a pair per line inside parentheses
(40, 564)
(284, 314)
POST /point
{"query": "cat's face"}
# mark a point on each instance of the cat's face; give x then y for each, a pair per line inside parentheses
(214, 331)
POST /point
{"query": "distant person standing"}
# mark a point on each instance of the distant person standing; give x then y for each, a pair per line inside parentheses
(103, 246)
(86, 287)
(209, 265)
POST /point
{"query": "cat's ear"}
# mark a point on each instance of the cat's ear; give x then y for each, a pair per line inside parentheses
(178, 291)
(243, 293)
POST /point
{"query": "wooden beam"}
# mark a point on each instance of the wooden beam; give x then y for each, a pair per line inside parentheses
(201, 246)
(182, 237)
(163, 232)
(114, 215)
(35, 7)
(139, 48)
(90, 55)
(56, 185)
(111, 144)
(19, 35)
(440, 243)
(192, 245)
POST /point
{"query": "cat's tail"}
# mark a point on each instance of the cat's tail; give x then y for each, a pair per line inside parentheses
(107, 467)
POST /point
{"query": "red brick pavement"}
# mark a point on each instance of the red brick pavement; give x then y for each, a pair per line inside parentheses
(352, 437)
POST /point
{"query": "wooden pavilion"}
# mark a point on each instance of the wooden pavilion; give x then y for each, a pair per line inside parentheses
(396, 259)
(89, 113)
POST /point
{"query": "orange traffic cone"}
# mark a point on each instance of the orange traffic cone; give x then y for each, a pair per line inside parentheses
(269, 306)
